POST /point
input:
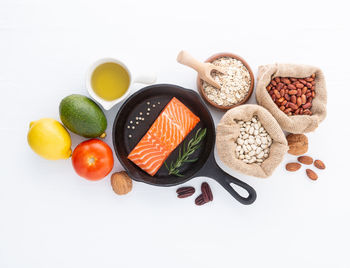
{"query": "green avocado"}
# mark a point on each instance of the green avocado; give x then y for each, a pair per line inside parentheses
(83, 116)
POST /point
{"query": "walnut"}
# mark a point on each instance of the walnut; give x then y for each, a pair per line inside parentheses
(298, 144)
(121, 183)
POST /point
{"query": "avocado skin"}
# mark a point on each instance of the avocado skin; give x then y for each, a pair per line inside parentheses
(82, 116)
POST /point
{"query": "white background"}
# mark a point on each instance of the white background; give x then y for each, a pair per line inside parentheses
(50, 217)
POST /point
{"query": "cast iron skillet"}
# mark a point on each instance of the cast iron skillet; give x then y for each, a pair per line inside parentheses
(155, 98)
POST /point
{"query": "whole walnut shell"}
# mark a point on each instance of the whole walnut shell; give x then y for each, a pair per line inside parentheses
(121, 183)
(298, 144)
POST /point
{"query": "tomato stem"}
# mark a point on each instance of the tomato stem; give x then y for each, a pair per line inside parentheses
(91, 160)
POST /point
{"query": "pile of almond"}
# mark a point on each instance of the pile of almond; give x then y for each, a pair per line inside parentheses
(306, 160)
(298, 144)
(293, 95)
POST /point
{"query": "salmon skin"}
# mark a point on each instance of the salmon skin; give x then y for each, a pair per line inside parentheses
(166, 133)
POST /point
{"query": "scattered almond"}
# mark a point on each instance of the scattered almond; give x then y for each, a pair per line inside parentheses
(306, 160)
(298, 144)
(319, 164)
(311, 174)
(121, 183)
(293, 166)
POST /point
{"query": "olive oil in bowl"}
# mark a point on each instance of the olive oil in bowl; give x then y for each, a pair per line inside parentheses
(110, 81)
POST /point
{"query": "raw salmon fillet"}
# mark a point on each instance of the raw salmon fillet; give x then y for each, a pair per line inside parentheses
(166, 133)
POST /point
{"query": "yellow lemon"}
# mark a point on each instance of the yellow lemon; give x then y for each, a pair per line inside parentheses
(49, 139)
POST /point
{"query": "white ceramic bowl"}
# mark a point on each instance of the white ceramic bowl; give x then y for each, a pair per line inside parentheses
(144, 79)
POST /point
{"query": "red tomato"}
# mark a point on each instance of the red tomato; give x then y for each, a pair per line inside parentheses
(93, 159)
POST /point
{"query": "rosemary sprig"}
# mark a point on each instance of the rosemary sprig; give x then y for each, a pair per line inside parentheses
(186, 152)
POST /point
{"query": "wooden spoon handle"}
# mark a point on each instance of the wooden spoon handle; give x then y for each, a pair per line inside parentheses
(186, 59)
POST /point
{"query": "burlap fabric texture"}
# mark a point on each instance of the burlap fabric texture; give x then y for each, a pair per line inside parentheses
(228, 131)
(295, 123)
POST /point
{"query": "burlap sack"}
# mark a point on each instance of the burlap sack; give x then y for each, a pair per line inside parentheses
(295, 123)
(228, 131)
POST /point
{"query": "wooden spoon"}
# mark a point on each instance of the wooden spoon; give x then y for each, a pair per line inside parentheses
(204, 69)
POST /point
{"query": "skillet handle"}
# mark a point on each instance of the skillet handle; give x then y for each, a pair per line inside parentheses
(212, 170)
